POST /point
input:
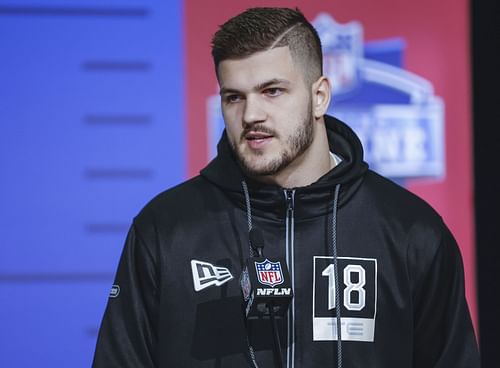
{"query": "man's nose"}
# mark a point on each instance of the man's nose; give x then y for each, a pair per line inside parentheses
(254, 111)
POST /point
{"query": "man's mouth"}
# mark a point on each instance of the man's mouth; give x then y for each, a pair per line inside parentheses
(253, 136)
(256, 140)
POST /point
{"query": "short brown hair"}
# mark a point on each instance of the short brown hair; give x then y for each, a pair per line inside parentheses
(260, 29)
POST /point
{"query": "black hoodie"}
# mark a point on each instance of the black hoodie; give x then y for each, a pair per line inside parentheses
(352, 239)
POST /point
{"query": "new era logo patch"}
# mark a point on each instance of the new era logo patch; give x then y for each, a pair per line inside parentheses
(115, 291)
(206, 274)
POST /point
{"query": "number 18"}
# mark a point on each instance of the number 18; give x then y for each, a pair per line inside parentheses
(352, 288)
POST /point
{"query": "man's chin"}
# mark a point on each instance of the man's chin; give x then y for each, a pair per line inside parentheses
(260, 169)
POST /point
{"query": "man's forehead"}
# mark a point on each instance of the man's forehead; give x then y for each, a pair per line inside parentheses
(258, 68)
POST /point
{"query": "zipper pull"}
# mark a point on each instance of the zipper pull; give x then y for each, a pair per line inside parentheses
(289, 195)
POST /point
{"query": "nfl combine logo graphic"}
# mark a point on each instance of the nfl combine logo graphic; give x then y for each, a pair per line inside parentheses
(395, 113)
(269, 273)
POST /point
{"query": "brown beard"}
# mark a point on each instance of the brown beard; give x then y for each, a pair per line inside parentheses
(296, 145)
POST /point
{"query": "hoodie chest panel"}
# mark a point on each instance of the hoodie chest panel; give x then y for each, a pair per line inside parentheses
(201, 298)
(220, 239)
(372, 235)
(375, 295)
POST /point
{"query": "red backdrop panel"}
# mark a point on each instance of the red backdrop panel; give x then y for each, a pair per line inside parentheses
(437, 49)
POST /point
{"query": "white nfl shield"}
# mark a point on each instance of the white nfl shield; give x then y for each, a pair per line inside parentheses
(269, 273)
(342, 52)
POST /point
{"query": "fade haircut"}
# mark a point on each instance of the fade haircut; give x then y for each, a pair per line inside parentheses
(261, 29)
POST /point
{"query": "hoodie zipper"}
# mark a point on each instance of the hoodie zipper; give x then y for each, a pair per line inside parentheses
(290, 260)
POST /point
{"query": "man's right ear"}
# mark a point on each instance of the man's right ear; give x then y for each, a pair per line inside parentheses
(321, 95)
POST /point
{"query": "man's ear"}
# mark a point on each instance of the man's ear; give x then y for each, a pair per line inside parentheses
(321, 95)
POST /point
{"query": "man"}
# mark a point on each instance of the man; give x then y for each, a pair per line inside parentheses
(377, 277)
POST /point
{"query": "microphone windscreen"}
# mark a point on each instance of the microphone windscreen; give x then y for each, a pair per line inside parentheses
(256, 238)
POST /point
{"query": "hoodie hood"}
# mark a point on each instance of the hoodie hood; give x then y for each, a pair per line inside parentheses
(225, 172)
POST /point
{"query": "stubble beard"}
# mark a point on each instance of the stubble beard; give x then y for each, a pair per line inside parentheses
(295, 146)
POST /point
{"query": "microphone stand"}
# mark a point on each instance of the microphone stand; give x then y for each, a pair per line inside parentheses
(257, 243)
(278, 358)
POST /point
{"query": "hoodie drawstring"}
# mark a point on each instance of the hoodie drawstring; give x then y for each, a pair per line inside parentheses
(249, 221)
(249, 211)
(336, 270)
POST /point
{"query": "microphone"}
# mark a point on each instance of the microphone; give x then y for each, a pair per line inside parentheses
(266, 288)
(265, 282)
(256, 241)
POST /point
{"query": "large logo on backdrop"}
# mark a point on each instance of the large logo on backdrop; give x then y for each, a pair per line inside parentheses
(395, 113)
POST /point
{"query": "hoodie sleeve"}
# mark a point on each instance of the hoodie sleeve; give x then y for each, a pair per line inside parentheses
(443, 333)
(127, 336)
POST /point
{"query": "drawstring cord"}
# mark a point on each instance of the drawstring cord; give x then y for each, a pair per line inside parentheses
(336, 270)
(249, 221)
(249, 211)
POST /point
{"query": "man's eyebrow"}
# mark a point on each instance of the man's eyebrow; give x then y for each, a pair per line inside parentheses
(225, 90)
(257, 87)
(271, 82)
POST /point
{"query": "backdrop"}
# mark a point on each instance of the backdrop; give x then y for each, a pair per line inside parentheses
(105, 104)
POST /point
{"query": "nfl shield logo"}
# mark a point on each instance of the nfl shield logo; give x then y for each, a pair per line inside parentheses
(269, 273)
(342, 52)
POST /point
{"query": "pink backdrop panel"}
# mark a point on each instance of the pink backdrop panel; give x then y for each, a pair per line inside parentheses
(437, 48)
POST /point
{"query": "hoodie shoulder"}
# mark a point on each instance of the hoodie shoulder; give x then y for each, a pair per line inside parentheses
(398, 202)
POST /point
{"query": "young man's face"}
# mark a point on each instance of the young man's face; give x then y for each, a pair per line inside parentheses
(267, 110)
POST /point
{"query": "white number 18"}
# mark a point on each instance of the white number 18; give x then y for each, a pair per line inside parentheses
(351, 287)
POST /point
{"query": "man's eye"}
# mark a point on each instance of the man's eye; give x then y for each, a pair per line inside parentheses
(273, 92)
(232, 98)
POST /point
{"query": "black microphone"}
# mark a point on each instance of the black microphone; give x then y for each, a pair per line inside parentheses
(265, 282)
(256, 241)
(266, 287)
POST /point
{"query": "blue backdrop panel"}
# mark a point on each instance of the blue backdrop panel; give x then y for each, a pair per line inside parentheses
(49, 324)
(91, 119)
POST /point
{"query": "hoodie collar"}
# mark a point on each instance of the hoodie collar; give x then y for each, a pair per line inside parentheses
(312, 200)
